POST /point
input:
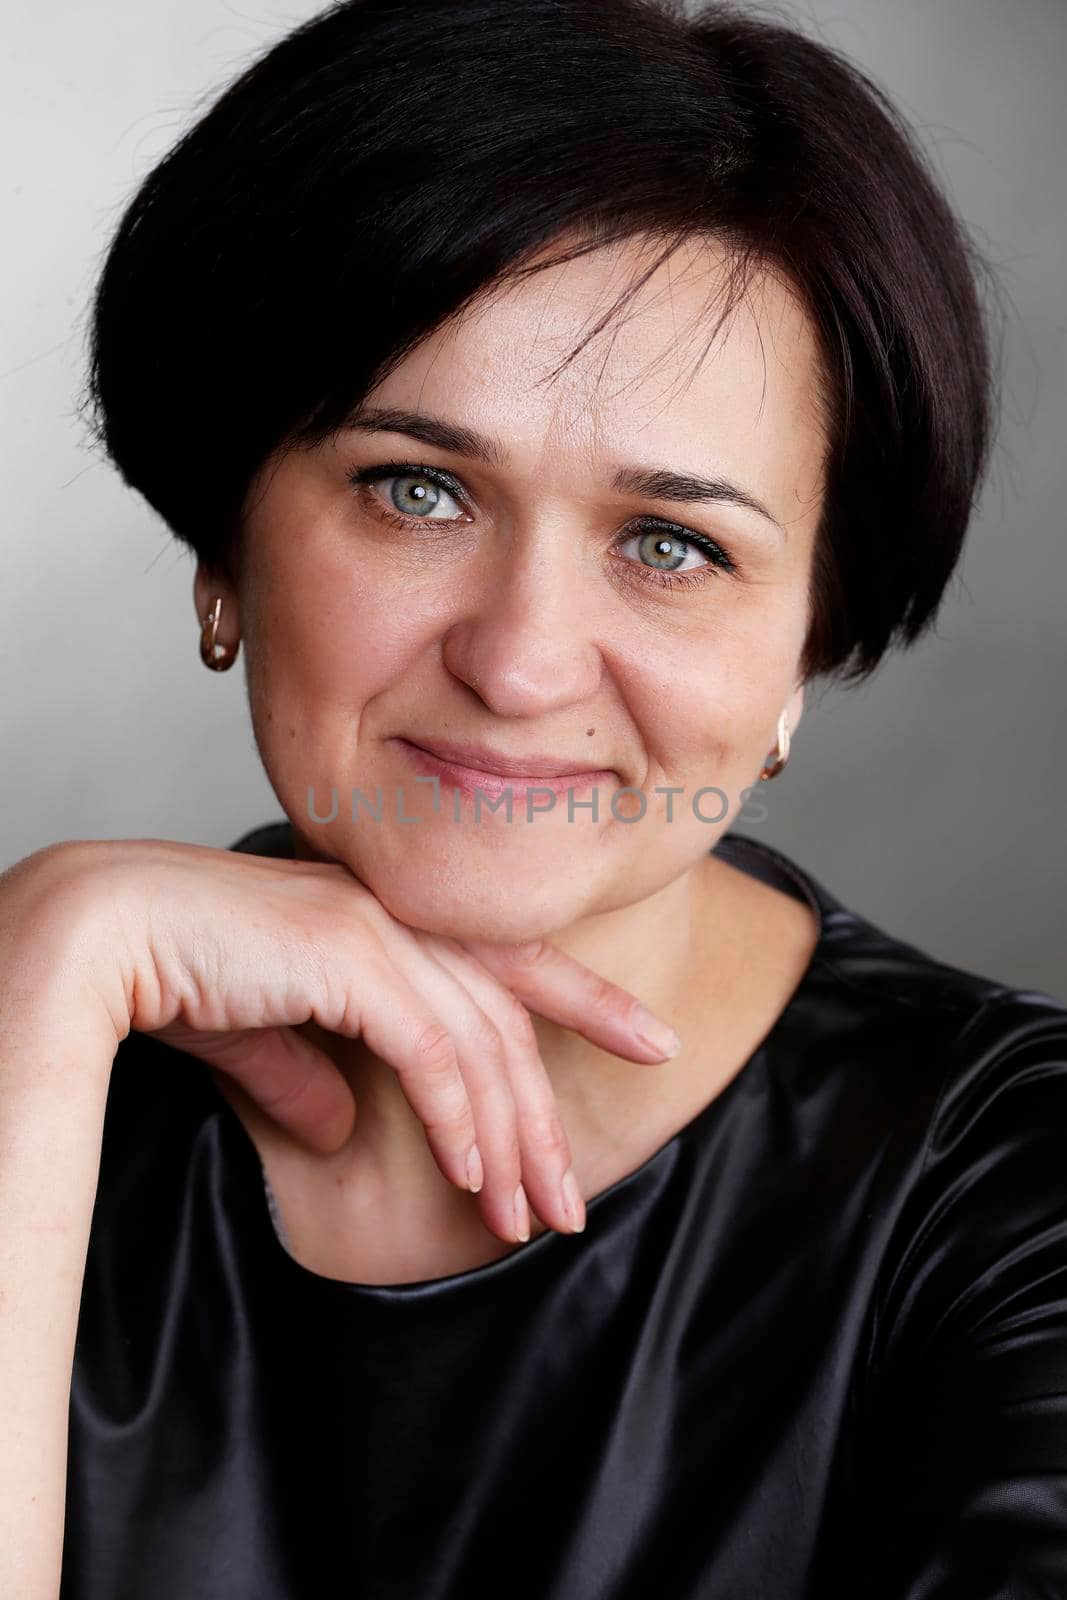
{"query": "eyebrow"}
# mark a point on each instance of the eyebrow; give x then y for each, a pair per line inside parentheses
(653, 483)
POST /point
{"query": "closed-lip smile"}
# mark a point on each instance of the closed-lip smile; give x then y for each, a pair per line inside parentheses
(479, 758)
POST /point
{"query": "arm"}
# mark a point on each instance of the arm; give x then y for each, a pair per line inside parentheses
(228, 956)
(57, 1044)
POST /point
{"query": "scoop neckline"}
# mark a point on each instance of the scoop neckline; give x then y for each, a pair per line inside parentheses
(737, 849)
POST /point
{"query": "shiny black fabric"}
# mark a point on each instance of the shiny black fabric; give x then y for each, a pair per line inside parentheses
(815, 1346)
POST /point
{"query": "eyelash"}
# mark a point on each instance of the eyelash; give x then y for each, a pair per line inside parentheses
(719, 561)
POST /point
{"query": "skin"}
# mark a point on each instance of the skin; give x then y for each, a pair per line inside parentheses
(515, 614)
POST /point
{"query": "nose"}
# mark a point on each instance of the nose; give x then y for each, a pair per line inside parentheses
(523, 640)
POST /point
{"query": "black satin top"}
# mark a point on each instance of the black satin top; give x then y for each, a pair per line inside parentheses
(815, 1346)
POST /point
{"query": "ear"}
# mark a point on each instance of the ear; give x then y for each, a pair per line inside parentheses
(207, 587)
(795, 709)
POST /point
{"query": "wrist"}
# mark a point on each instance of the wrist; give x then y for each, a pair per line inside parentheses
(61, 969)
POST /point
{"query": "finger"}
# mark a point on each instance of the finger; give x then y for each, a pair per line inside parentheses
(544, 1147)
(565, 991)
(482, 1061)
(289, 1078)
(404, 1030)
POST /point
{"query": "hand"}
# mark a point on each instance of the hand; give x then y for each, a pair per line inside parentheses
(223, 955)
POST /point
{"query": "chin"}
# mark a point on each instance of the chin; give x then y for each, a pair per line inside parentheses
(463, 899)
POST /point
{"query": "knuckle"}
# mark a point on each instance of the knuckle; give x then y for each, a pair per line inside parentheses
(532, 953)
(326, 974)
(435, 1052)
(361, 939)
(451, 1120)
(516, 1025)
(544, 1130)
(287, 1093)
(483, 1035)
(602, 996)
(449, 1114)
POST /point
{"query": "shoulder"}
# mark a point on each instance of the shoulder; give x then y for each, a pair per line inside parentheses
(966, 1075)
(981, 1063)
(979, 1042)
(884, 972)
(1011, 1056)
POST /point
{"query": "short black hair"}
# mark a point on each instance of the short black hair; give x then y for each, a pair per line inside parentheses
(389, 161)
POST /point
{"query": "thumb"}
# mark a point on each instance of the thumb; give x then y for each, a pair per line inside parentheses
(295, 1083)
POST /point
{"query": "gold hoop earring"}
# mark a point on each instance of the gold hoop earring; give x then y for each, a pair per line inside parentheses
(209, 628)
(781, 750)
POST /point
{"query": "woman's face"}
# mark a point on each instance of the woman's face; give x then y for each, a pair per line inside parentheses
(521, 603)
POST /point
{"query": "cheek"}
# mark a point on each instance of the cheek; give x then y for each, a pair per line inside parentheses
(332, 641)
(706, 712)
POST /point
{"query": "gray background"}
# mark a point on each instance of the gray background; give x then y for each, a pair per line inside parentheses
(932, 800)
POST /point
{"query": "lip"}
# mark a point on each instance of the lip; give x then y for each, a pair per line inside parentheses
(473, 766)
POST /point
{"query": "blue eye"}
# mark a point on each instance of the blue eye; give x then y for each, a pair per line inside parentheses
(419, 493)
(663, 542)
(420, 490)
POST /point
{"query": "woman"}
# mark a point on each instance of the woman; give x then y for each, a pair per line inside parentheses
(550, 394)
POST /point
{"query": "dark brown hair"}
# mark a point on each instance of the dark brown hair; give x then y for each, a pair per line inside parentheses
(391, 160)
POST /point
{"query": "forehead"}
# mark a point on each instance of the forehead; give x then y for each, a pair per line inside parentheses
(656, 383)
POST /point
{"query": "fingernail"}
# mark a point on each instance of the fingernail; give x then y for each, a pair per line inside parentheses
(475, 1176)
(522, 1215)
(656, 1034)
(572, 1200)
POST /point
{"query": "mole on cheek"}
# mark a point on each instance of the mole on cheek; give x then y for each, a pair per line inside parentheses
(589, 732)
